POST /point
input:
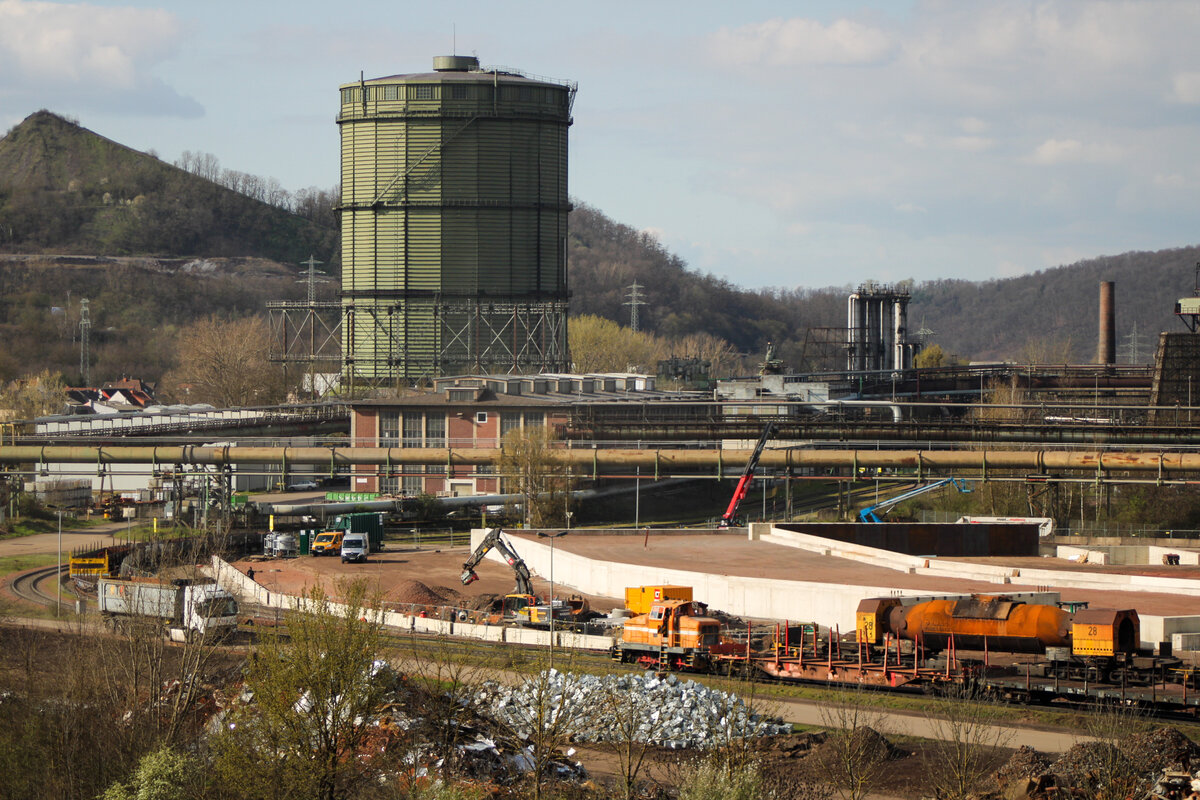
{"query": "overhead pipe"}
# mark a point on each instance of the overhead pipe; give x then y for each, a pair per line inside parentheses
(664, 461)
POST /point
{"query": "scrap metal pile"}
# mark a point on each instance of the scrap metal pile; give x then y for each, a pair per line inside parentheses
(1162, 762)
(664, 711)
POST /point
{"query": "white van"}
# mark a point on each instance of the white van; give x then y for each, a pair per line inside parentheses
(355, 547)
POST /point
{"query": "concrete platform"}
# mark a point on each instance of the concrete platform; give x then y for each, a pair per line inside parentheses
(771, 580)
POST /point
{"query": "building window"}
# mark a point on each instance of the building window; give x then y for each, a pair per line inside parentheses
(351, 96)
(458, 92)
(389, 484)
(535, 419)
(389, 428)
(480, 417)
(413, 482)
(413, 430)
(391, 92)
(509, 421)
(435, 430)
(422, 91)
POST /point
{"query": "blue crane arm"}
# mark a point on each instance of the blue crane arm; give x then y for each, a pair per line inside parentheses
(873, 513)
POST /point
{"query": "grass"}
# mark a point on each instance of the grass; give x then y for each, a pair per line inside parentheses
(11, 564)
(529, 661)
(30, 526)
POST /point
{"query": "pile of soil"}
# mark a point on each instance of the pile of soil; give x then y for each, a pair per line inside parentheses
(1162, 748)
(417, 593)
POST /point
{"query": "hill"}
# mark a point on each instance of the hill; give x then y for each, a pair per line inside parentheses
(1049, 315)
(141, 223)
(64, 188)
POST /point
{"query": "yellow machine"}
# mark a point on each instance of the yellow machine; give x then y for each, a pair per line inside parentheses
(639, 598)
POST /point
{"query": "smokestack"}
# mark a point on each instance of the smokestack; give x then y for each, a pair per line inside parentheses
(1106, 352)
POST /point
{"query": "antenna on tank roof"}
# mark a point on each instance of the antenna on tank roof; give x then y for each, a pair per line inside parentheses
(454, 38)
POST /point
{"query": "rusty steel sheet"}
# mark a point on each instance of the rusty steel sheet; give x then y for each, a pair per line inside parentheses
(944, 540)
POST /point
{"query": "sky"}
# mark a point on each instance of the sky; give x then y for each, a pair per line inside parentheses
(770, 143)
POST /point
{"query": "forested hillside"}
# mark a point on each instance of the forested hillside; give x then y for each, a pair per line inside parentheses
(199, 240)
(65, 189)
(1049, 316)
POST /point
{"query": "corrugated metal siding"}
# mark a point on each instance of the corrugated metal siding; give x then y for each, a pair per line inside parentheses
(461, 212)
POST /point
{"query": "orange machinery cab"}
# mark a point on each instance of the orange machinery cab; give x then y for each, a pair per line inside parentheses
(1105, 632)
(674, 633)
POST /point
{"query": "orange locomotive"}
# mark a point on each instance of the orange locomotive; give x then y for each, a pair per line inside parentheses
(674, 634)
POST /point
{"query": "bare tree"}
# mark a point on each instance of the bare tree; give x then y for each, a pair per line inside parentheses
(854, 756)
(968, 746)
(226, 362)
(447, 678)
(530, 468)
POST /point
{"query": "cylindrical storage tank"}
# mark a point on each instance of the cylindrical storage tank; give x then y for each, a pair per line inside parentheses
(454, 222)
(982, 623)
(1106, 347)
(285, 545)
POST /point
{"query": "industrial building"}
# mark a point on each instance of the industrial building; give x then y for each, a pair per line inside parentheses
(476, 411)
(454, 223)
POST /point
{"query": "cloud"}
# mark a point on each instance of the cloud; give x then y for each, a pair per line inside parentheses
(971, 144)
(89, 57)
(911, 208)
(1185, 88)
(1073, 151)
(791, 42)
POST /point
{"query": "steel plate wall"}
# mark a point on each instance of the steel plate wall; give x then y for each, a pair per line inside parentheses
(929, 539)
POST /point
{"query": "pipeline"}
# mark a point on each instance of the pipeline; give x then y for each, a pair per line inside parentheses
(586, 461)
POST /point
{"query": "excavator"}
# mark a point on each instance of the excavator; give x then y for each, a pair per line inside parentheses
(521, 606)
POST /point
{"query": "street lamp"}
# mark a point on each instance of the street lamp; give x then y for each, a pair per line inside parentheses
(58, 608)
(551, 537)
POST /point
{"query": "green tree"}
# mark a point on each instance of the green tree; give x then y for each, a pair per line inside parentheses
(314, 694)
(601, 345)
(164, 774)
(931, 356)
(34, 396)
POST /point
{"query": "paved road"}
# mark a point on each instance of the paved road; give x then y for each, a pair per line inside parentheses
(108, 533)
(807, 712)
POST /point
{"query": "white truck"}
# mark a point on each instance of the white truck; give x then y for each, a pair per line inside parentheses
(190, 610)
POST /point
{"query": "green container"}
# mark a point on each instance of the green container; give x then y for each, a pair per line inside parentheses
(305, 537)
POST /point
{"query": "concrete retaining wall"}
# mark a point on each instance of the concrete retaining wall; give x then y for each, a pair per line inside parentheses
(827, 604)
(246, 590)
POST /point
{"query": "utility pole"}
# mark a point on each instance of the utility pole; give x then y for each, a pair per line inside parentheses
(635, 299)
(1133, 345)
(85, 330)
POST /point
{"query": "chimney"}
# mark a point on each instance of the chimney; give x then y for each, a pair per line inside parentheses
(1106, 351)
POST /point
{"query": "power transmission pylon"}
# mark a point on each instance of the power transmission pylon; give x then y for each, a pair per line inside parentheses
(85, 330)
(635, 299)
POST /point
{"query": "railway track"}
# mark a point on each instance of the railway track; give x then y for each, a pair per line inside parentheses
(29, 586)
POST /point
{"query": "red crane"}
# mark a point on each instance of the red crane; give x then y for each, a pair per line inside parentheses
(747, 475)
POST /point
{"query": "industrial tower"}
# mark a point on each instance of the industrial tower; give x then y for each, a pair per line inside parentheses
(454, 223)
